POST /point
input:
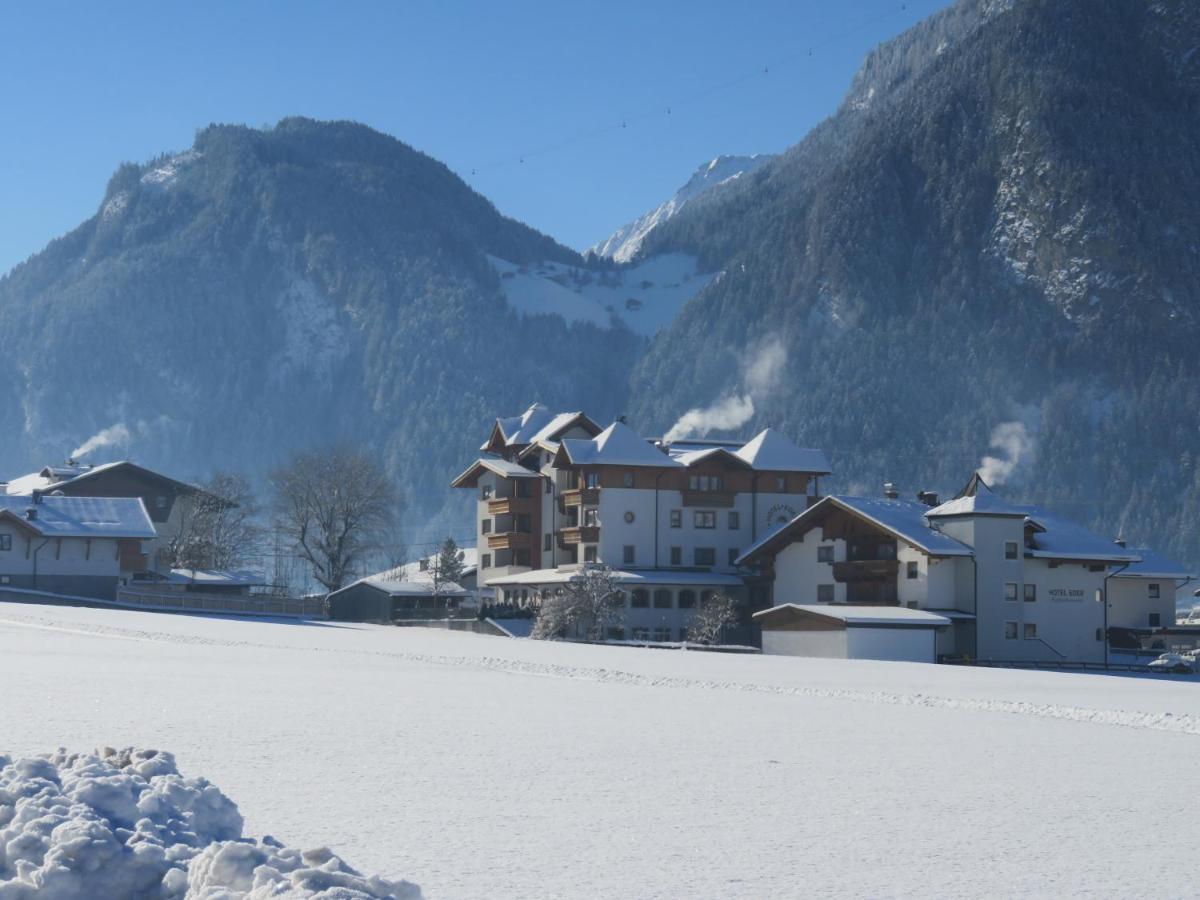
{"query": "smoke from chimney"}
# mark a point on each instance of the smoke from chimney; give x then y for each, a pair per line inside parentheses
(758, 379)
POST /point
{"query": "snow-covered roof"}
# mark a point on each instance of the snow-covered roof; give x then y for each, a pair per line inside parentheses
(1152, 565)
(94, 517)
(771, 451)
(865, 615)
(1057, 538)
(904, 519)
(977, 499)
(616, 445)
(501, 467)
(632, 577)
(216, 577)
(691, 457)
(51, 477)
(413, 572)
(537, 424)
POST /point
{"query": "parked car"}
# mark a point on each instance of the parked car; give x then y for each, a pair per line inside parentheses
(1172, 664)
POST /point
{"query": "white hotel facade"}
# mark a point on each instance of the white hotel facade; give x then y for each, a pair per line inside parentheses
(679, 522)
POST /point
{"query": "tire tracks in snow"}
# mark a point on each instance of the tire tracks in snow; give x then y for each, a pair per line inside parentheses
(1164, 721)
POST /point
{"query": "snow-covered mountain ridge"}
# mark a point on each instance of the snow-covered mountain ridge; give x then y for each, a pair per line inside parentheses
(623, 244)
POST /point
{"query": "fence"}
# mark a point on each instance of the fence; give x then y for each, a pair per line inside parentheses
(232, 604)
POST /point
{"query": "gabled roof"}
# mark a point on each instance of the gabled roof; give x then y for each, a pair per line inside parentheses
(1153, 565)
(977, 499)
(537, 424)
(217, 577)
(54, 477)
(864, 615)
(86, 517)
(501, 467)
(616, 445)
(904, 519)
(413, 572)
(771, 451)
(692, 457)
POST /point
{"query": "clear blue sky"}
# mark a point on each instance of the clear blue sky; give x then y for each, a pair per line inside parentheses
(86, 86)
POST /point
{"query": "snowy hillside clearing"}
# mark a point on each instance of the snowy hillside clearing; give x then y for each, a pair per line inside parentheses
(495, 767)
(646, 297)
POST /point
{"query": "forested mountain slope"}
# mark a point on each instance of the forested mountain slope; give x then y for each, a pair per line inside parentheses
(294, 286)
(999, 224)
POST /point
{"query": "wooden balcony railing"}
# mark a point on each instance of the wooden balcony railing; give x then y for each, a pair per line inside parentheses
(708, 498)
(866, 570)
(501, 506)
(510, 540)
(581, 497)
(579, 534)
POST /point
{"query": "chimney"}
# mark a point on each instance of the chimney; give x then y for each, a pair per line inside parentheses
(31, 513)
(37, 497)
(929, 498)
(890, 492)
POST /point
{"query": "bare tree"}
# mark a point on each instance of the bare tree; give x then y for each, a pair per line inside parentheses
(335, 507)
(715, 614)
(219, 526)
(446, 566)
(592, 597)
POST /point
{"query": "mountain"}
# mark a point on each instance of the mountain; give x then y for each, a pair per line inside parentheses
(295, 286)
(623, 244)
(994, 238)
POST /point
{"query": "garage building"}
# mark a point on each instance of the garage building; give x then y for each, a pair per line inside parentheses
(850, 632)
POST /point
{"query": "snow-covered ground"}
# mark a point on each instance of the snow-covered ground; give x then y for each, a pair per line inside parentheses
(646, 297)
(494, 767)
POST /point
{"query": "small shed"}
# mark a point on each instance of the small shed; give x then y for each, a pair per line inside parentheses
(377, 599)
(850, 632)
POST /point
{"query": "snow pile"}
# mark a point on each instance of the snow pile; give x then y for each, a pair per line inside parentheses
(127, 825)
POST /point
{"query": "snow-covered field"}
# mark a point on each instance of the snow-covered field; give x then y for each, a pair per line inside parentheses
(492, 767)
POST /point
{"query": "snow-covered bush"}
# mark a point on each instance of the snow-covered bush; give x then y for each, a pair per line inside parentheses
(125, 825)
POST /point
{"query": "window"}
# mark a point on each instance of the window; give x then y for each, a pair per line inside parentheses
(160, 502)
(589, 554)
(486, 526)
(677, 518)
(615, 633)
(641, 634)
(522, 487)
(707, 597)
(1152, 591)
(704, 518)
(662, 634)
(677, 556)
(5, 541)
(735, 520)
(627, 479)
(1010, 591)
(825, 554)
(733, 556)
(546, 542)
(1031, 593)
(662, 599)
(487, 560)
(5, 579)
(704, 556)
(549, 486)
(824, 593)
(590, 518)
(705, 483)
(912, 570)
(639, 599)
(423, 565)
(781, 483)
(687, 599)
(1010, 631)
(1099, 634)
(619, 599)
(1155, 620)
(1010, 550)
(485, 492)
(1030, 631)
(591, 480)
(628, 553)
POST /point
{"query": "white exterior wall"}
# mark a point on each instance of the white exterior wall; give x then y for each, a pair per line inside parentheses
(820, 644)
(1130, 605)
(900, 644)
(797, 572)
(988, 535)
(72, 559)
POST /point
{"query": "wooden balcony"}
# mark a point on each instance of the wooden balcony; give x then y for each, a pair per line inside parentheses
(510, 540)
(866, 570)
(722, 499)
(579, 534)
(503, 506)
(581, 497)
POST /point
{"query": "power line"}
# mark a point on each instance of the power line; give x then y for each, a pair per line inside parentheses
(666, 108)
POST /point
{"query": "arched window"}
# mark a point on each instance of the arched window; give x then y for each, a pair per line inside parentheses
(706, 597)
(662, 599)
(640, 599)
(687, 599)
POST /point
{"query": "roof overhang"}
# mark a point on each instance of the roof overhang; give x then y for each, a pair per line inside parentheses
(470, 477)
